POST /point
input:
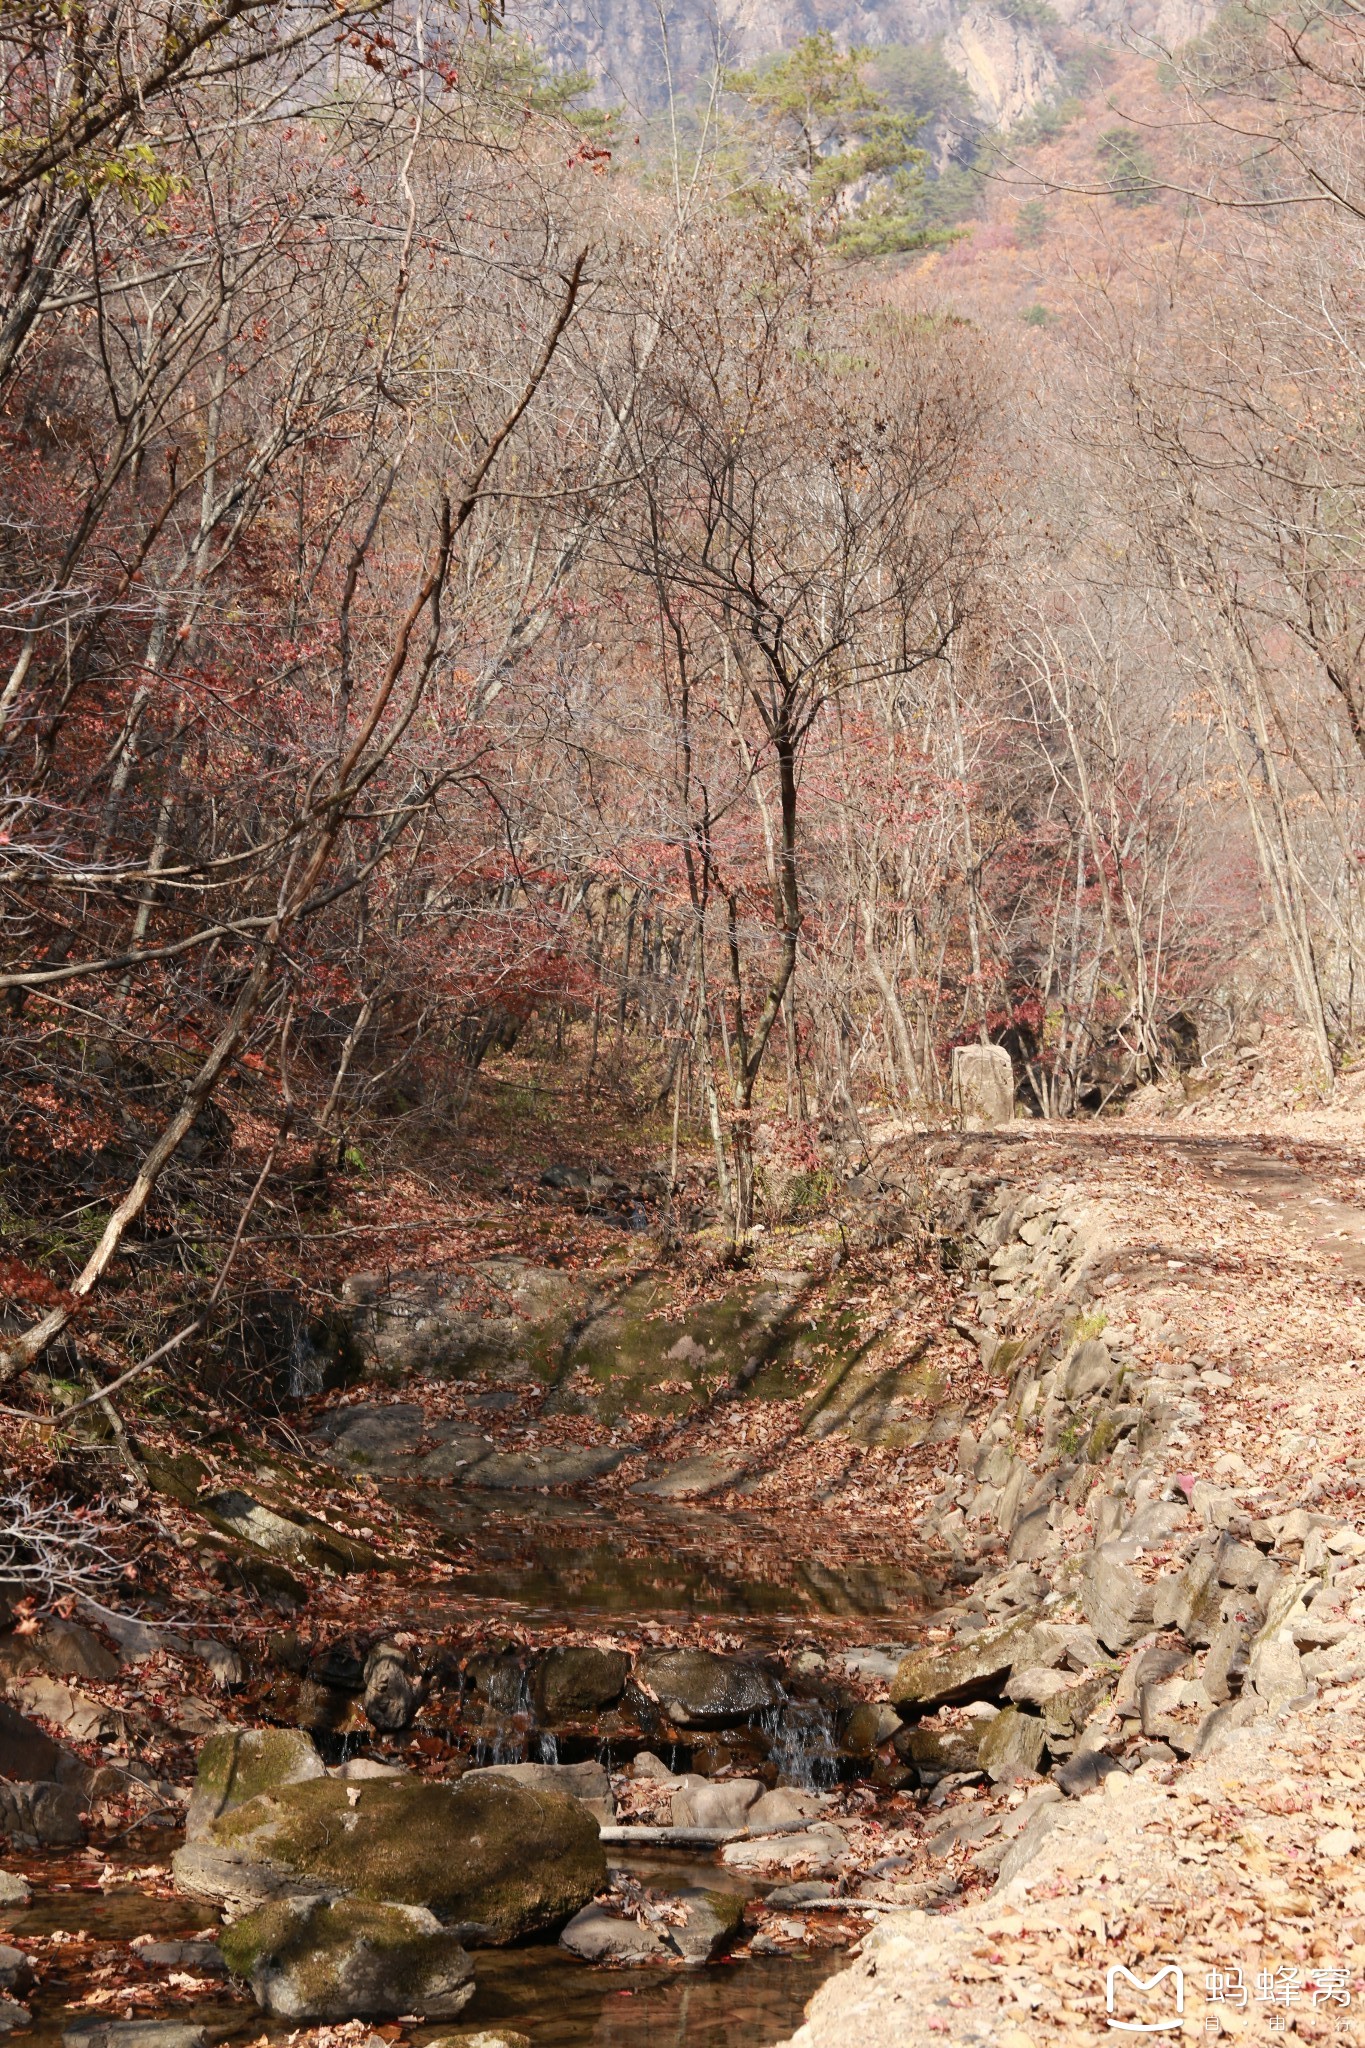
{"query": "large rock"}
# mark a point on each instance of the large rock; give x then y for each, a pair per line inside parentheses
(575, 1679)
(586, 1782)
(698, 1925)
(1190, 1600)
(102, 2033)
(439, 1325)
(818, 1851)
(714, 1803)
(597, 1935)
(1027, 1843)
(1085, 1772)
(1227, 1656)
(1114, 1600)
(391, 1692)
(76, 1713)
(784, 1805)
(1066, 1713)
(1275, 1672)
(1090, 1369)
(242, 1763)
(525, 1471)
(492, 1858)
(373, 1438)
(311, 1959)
(63, 1649)
(1011, 1743)
(973, 1669)
(16, 1971)
(200, 1958)
(698, 1689)
(1240, 1565)
(482, 2037)
(28, 1753)
(694, 1478)
(982, 1086)
(226, 1666)
(302, 1537)
(710, 1920)
(1032, 1537)
(1008, 71)
(940, 1752)
(43, 1815)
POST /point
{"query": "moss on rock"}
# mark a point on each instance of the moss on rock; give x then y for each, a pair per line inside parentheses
(241, 1763)
(345, 1959)
(490, 1857)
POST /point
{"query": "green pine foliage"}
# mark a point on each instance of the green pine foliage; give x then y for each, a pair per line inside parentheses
(1030, 223)
(821, 147)
(1124, 160)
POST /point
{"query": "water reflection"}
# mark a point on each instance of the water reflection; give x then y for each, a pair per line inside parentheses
(562, 2004)
(582, 1565)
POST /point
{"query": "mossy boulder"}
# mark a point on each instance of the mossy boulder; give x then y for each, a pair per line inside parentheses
(587, 1782)
(492, 1859)
(241, 1763)
(343, 1959)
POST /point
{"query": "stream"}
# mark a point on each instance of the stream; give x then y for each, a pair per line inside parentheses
(519, 1572)
(560, 1563)
(538, 1990)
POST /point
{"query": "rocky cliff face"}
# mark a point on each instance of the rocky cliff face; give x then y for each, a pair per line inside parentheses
(1154, 24)
(1008, 68)
(633, 48)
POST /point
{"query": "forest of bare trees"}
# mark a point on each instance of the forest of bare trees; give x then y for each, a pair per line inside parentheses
(475, 582)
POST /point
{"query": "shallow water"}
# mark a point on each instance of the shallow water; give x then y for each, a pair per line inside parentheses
(601, 1581)
(114, 1915)
(563, 2004)
(541, 1991)
(569, 1561)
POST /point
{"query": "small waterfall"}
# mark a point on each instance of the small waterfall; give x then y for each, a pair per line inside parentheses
(548, 1746)
(505, 1742)
(801, 1744)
